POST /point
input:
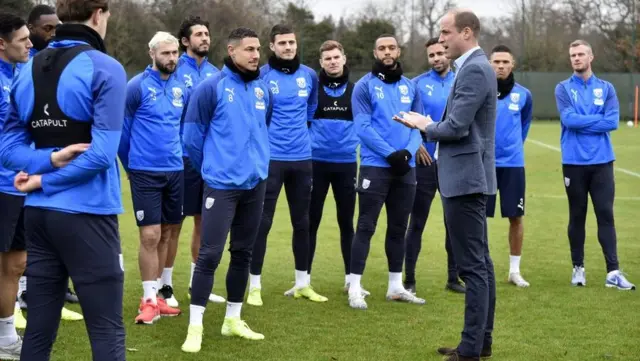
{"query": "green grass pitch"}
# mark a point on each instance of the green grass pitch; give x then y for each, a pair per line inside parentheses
(549, 321)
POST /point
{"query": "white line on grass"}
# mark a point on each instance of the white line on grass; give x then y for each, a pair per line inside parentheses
(553, 196)
(621, 170)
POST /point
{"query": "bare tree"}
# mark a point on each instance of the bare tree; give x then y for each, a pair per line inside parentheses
(128, 36)
(578, 13)
(430, 12)
(270, 12)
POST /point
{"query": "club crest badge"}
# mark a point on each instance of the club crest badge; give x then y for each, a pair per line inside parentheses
(597, 92)
(177, 96)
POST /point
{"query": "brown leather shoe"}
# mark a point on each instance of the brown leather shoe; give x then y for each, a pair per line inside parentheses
(456, 357)
(447, 351)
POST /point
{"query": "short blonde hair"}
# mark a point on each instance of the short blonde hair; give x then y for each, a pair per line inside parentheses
(162, 37)
(580, 42)
(584, 43)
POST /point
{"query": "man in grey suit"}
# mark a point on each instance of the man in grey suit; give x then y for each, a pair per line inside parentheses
(466, 175)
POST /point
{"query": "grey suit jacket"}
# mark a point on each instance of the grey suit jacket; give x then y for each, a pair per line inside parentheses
(466, 154)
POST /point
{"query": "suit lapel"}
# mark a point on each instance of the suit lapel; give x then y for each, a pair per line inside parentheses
(455, 80)
(449, 99)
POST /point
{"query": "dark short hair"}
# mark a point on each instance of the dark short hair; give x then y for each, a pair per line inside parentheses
(186, 25)
(432, 41)
(9, 23)
(501, 49)
(279, 29)
(384, 35)
(240, 33)
(38, 11)
(467, 19)
(79, 10)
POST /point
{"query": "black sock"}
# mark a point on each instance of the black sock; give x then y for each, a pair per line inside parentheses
(410, 278)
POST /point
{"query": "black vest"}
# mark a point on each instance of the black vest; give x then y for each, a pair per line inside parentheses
(49, 126)
(334, 108)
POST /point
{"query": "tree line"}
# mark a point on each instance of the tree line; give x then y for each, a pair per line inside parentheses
(538, 31)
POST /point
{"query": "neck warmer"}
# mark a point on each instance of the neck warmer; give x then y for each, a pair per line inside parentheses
(285, 66)
(246, 75)
(80, 32)
(334, 82)
(505, 86)
(387, 74)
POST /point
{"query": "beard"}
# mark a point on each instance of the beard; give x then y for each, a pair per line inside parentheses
(441, 69)
(168, 68)
(199, 52)
(38, 42)
(581, 69)
(389, 66)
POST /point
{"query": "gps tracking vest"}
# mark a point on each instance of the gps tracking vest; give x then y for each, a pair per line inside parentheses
(338, 108)
(49, 127)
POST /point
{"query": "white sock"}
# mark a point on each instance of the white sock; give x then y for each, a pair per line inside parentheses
(167, 276)
(233, 309)
(193, 268)
(17, 306)
(354, 282)
(514, 264)
(150, 289)
(395, 281)
(196, 314)
(22, 285)
(302, 279)
(8, 335)
(346, 279)
(159, 280)
(254, 281)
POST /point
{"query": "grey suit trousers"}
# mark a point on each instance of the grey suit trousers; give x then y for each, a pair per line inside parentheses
(469, 241)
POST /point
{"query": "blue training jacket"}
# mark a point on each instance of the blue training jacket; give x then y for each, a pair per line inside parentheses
(226, 130)
(6, 78)
(92, 88)
(295, 99)
(334, 140)
(513, 120)
(434, 91)
(151, 131)
(588, 110)
(191, 74)
(374, 105)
